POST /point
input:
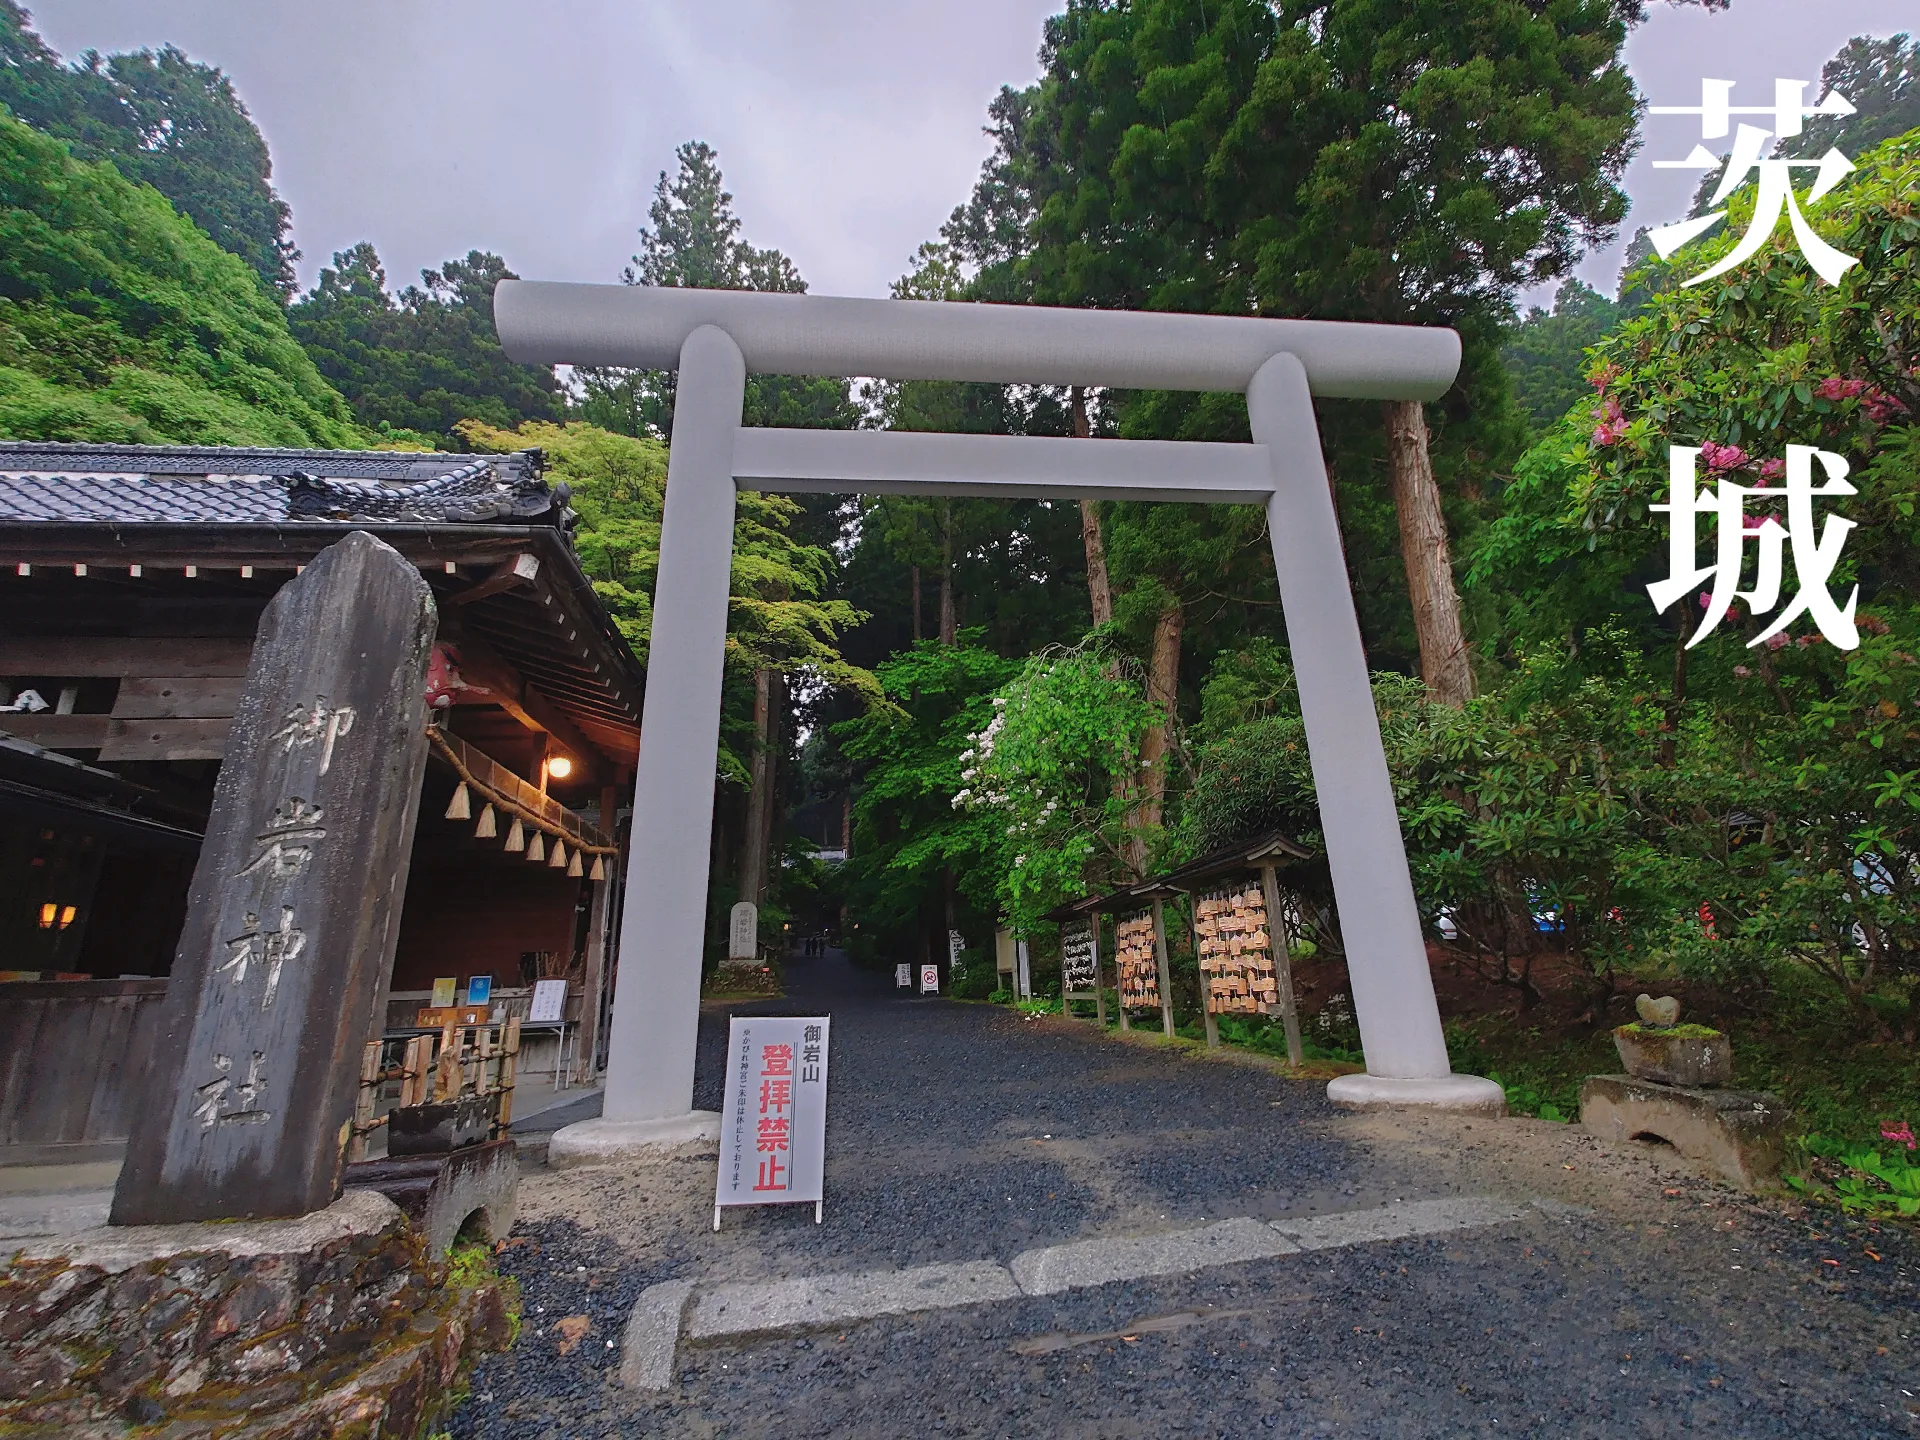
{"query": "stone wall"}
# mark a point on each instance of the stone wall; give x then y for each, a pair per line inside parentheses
(339, 1323)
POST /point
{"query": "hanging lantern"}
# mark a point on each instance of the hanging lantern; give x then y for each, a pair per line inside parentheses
(461, 806)
(599, 871)
(558, 860)
(573, 865)
(486, 829)
(516, 836)
(537, 847)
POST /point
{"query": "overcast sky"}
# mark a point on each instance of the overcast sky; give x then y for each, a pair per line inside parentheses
(847, 129)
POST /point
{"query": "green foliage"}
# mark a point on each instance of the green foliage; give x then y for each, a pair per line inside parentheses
(618, 485)
(907, 829)
(1546, 353)
(120, 321)
(426, 359)
(695, 240)
(1052, 770)
(1864, 1181)
(1775, 785)
(1674, 1032)
(161, 120)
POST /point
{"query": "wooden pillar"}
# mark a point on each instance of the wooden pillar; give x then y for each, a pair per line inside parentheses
(1099, 985)
(1160, 960)
(1282, 944)
(597, 937)
(1206, 988)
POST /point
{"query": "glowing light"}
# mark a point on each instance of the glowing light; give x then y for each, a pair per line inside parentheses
(559, 767)
(47, 912)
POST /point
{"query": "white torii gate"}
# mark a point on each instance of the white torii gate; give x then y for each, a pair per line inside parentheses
(714, 337)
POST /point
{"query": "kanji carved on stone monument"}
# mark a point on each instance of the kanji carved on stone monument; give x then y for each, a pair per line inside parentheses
(295, 905)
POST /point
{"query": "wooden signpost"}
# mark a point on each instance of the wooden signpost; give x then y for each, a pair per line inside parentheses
(295, 904)
(1080, 967)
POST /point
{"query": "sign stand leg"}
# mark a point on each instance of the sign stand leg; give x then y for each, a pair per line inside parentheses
(818, 1207)
(716, 1219)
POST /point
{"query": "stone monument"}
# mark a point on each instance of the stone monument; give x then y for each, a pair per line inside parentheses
(1672, 1092)
(295, 905)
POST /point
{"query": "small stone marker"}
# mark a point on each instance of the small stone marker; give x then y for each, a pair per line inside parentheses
(1662, 1014)
(743, 932)
(295, 905)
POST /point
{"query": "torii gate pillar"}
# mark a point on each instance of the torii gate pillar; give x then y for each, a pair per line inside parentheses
(716, 337)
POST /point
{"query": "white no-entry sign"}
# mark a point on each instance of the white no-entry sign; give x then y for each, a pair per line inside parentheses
(773, 1127)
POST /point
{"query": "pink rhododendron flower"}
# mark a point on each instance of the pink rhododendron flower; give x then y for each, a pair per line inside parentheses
(1722, 457)
(1836, 388)
(1879, 408)
(1613, 424)
(1776, 642)
(1770, 470)
(1742, 671)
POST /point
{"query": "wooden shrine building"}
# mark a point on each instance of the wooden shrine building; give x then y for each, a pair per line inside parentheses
(132, 579)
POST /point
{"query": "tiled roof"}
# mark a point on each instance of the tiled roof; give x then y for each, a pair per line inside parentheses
(218, 485)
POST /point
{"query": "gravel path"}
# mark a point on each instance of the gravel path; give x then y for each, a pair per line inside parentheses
(963, 1133)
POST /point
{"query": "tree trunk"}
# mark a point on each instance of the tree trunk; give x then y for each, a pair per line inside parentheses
(1099, 588)
(753, 849)
(1423, 548)
(846, 824)
(917, 634)
(948, 629)
(1163, 682)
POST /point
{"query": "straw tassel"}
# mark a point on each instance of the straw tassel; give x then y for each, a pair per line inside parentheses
(486, 829)
(461, 806)
(599, 871)
(537, 848)
(573, 865)
(516, 836)
(558, 860)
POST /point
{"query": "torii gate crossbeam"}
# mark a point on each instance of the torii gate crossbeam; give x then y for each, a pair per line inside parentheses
(715, 337)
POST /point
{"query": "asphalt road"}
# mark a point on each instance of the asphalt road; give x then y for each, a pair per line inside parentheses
(1663, 1305)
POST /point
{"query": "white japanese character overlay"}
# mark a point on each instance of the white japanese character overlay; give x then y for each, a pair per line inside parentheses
(1775, 195)
(1814, 555)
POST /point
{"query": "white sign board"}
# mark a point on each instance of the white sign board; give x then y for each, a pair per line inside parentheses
(743, 932)
(549, 1001)
(903, 976)
(929, 979)
(1079, 961)
(773, 1127)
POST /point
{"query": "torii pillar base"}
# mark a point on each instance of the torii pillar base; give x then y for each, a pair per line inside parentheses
(634, 1142)
(1463, 1094)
